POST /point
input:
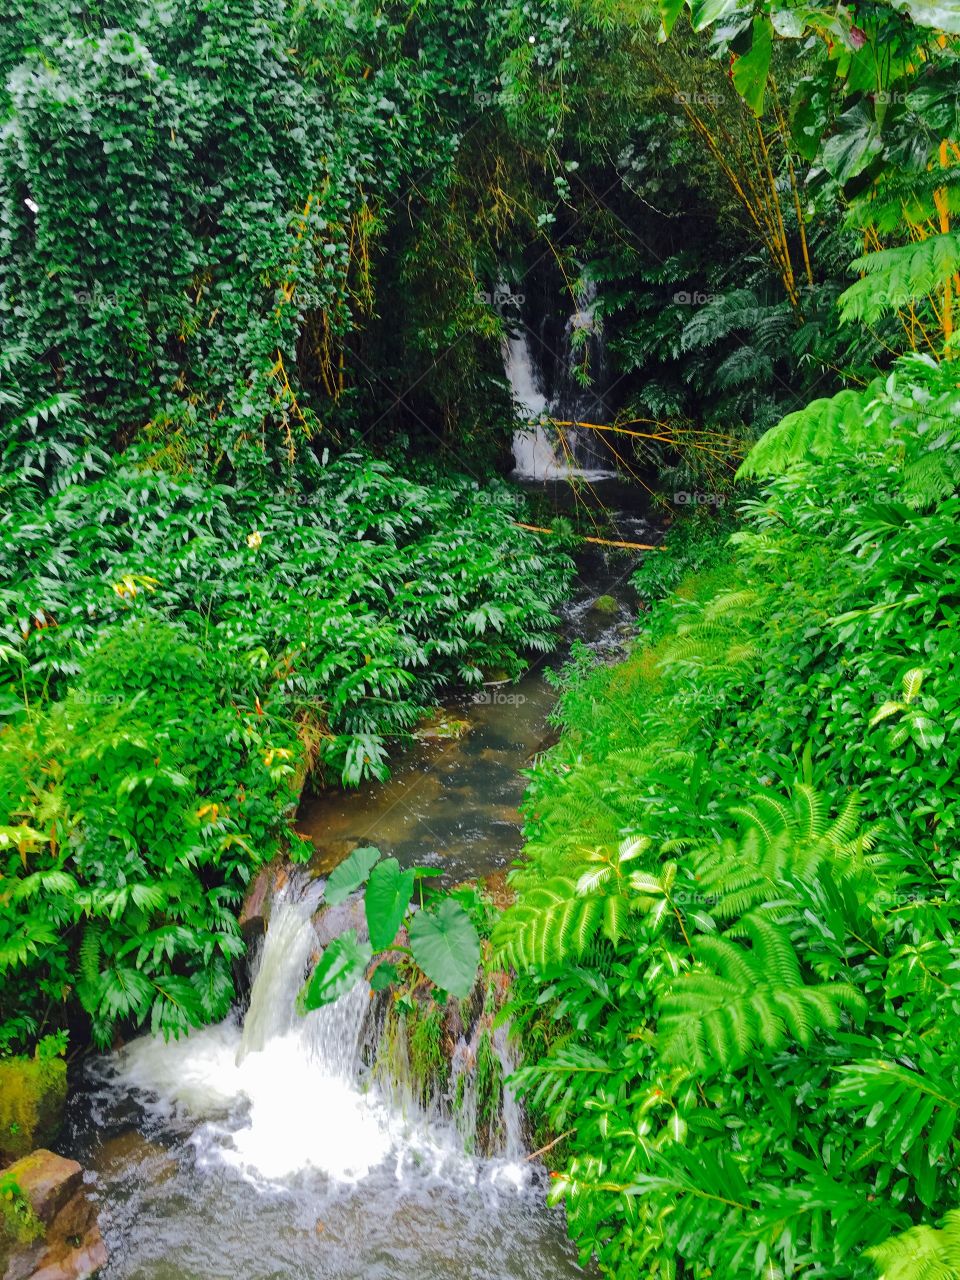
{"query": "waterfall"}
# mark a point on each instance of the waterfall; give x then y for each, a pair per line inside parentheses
(279, 1092)
(536, 450)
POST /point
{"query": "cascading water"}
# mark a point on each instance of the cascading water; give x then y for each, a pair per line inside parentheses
(264, 1147)
(538, 454)
(261, 1071)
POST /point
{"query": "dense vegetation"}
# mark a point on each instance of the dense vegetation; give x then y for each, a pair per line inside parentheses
(736, 920)
(256, 267)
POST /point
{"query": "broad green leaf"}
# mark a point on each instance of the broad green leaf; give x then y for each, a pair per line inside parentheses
(338, 970)
(850, 149)
(925, 732)
(750, 71)
(350, 874)
(912, 681)
(383, 976)
(884, 712)
(446, 947)
(669, 13)
(941, 15)
(387, 898)
(705, 12)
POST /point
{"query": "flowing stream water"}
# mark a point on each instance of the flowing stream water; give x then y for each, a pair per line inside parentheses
(269, 1147)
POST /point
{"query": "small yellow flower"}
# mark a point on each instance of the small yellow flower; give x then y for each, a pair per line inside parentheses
(254, 539)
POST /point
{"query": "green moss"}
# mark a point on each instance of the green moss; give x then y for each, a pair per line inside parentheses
(32, 1094)
(19, 1225)
(606, 605)
(489, 1083)
(428, 1061)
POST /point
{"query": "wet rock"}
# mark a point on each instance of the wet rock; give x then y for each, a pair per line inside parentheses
(32, 1094)
(59, 1213)
(442, 728)
(498, 889)
(253, 914)
(605, 605)
(331, 851)
(331, 922)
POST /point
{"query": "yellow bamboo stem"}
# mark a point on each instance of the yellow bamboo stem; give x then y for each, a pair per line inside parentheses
(603, 542)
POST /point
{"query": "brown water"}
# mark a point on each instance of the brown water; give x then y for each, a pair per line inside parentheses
(213, 1165)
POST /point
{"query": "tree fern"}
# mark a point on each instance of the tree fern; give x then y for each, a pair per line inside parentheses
(893, 278)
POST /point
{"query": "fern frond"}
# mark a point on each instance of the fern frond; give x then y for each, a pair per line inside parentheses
(893, 278)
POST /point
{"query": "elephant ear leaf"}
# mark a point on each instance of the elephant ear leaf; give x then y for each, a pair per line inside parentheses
(387, 898)
(340, 968)
(446, 947)
(350, 874)
(750, 71)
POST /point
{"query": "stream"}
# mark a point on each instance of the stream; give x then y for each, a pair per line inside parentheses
(265, 1147)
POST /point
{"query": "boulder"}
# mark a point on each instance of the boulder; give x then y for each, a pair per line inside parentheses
(55, 1235)
(605, 605)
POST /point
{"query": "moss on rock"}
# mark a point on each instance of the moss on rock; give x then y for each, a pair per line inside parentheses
(32, 1094)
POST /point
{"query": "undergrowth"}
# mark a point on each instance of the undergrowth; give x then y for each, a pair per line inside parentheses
(736, 917)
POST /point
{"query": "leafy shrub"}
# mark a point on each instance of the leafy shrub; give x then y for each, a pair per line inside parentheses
(177, 657)
(737, 916)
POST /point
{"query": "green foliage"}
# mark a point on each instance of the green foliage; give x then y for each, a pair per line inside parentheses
(386, 900)
(176, 657)
(19, 1225)
(444, 943)
(735, 924)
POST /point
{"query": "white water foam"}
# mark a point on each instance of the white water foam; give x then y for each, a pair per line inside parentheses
(535, 452)
(286, 1093)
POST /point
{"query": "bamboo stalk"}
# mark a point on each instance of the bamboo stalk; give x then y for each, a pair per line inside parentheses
(602, 542)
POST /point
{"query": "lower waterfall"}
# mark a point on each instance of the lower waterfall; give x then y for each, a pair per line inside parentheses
(295, 1088)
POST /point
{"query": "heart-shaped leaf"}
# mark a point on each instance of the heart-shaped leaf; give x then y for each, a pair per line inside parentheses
(339, 969)
(383, 976)
(446, 947)
(387, 898)
(350, 874)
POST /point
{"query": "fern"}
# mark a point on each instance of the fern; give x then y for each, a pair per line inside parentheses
(747, 1002)
(820, 429)
(893, 278)
(922, 1253)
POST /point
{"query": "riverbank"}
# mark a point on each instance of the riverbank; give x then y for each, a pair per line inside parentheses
(735, 920)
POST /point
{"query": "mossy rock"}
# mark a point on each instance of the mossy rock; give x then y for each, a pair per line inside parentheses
(606, 605)
(32, 1094)
(19, 1225)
